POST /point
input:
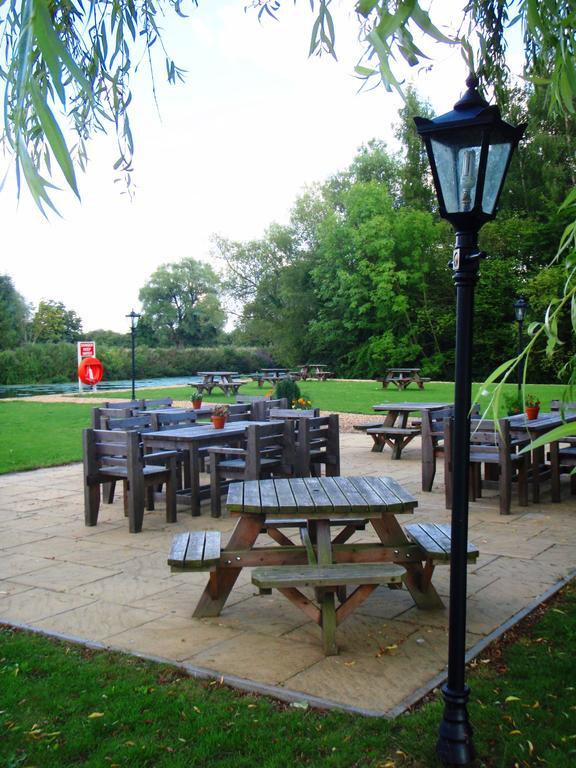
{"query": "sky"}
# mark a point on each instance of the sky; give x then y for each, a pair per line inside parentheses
(226, 153)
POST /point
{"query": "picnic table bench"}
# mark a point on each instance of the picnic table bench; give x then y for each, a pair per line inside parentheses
(403, 377)
(223, 380)
(328, 564)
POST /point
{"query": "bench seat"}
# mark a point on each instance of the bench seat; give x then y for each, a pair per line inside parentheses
(434, 540)
(369, 425)
(393, 431)
(287, 576)
(196, 550)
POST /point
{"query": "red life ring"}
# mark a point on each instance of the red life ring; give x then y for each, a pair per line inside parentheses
(90, 370)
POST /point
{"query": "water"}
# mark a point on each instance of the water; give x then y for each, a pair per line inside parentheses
(26, 390)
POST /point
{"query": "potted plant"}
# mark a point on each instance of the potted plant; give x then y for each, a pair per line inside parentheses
(219, 416)
(531, 406)
(513, 404)
(302, 404)
(196, 399)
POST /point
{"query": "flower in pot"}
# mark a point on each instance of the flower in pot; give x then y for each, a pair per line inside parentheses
(302, 404)
(531, 406)
(219, 416)
(196, 399)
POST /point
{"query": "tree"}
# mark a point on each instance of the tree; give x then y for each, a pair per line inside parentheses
(180, 304)
(52, 323)
(13, 315)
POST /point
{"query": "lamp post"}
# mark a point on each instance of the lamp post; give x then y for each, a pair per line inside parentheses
(469, 150)
(520, 308)
(133, 320)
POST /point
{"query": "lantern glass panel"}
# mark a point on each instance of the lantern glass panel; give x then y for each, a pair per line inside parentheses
(457, 168)
(497, 162)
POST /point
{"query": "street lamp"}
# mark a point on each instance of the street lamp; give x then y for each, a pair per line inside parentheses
(469, 150)
(133, 320)
(520, 308)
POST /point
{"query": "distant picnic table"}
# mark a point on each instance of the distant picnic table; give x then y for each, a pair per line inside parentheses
(313, 371)
(403, 377)
(271, 375)
(222, 379)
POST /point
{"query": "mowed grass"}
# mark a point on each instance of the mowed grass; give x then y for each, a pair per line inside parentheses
(43, 435)
(64, 705)
(348, 396)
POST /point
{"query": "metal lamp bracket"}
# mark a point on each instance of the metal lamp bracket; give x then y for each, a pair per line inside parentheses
(461, 256)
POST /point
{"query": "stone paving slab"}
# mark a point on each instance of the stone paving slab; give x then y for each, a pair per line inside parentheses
(103, 584)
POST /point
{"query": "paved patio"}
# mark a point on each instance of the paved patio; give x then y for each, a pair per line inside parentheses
(106, 586)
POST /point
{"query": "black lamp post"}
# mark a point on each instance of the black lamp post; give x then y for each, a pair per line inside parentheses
(520, 308)
(133, 320)
(469, 150)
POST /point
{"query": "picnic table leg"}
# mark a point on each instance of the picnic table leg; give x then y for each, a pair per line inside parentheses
(194, 463)
(223, 579)
(422, 590)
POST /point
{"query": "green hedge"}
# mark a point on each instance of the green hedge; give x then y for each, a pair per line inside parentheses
(53, 363)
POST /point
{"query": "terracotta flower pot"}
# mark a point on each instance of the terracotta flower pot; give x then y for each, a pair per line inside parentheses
(532, 412)
(218, 421)
(196, 403)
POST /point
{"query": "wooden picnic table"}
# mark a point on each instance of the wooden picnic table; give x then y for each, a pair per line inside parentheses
(224, 380)
(314, 371)
(323, 561)
(403, 377)
(395, 431)
(271, 375)
(193, 440)
(521, 426)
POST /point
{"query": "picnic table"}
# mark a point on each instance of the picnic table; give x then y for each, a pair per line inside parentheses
(403, 377)
(314, 371)
(222, 379)
(521, 426)
(193, 440)
(395, 431)
(326, 562)
(271, 375)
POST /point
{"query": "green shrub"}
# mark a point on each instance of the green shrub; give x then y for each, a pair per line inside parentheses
(288, 389)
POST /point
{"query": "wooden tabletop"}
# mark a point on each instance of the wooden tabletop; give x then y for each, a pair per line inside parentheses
(217, 373)
(410, 406)
(201, 431)
(320, 497)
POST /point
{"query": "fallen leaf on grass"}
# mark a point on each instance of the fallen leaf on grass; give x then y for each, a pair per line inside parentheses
(94, 715)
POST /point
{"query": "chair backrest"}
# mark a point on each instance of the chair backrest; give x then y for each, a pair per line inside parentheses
(261, 409)
(101, 414)
(318, 437)
(491, 439)
(140, 424)
(107, 448)
(174, 420)
(559, 405)
(161, 402)
(242, 408)
(251, 398)
(269, 441)
(293, 413)
(123, 404)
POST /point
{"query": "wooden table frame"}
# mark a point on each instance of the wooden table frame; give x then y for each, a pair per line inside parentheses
(394, 430)
(192, 439)
(318, 502)
(403, 377)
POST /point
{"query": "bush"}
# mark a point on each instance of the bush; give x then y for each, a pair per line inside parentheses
(288, 389)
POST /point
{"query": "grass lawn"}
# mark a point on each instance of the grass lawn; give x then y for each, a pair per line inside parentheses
(43, 435)
(64, 705)
(350, 396)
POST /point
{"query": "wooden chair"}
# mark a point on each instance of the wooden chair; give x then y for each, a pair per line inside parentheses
(161, 402)
(173, 420)
(562, 461)
(559, 405)
(261, 409)
(240, 412)
(293, 413)
(317, 444)
(251, 398)
(269, 450)
(115, 455)
(432, 425)
(491, 444)
(101, 413)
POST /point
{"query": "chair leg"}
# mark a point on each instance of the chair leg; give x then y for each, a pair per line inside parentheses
(91, 503)
(523, 469)
(428, 473)
(171, 485)
(135, 505)
(215, 489)
(108, 491)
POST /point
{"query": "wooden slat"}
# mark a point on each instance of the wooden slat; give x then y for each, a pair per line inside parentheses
(441, 533)
(387, 493)
(327, 575)
(319, 496)
(372, 498)
(211, 547)
(268, 497)
(434, 539)
(235, 500)
(195, 550)
(252, 496)
(286, 500)
(354, 497)
(402, 493)
(305, 536)
(178, 549)
(333, 492)
(306, 506)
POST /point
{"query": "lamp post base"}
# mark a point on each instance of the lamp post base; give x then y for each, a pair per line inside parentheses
(454, 746)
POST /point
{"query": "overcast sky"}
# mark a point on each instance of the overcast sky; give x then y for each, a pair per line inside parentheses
(229, 153)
